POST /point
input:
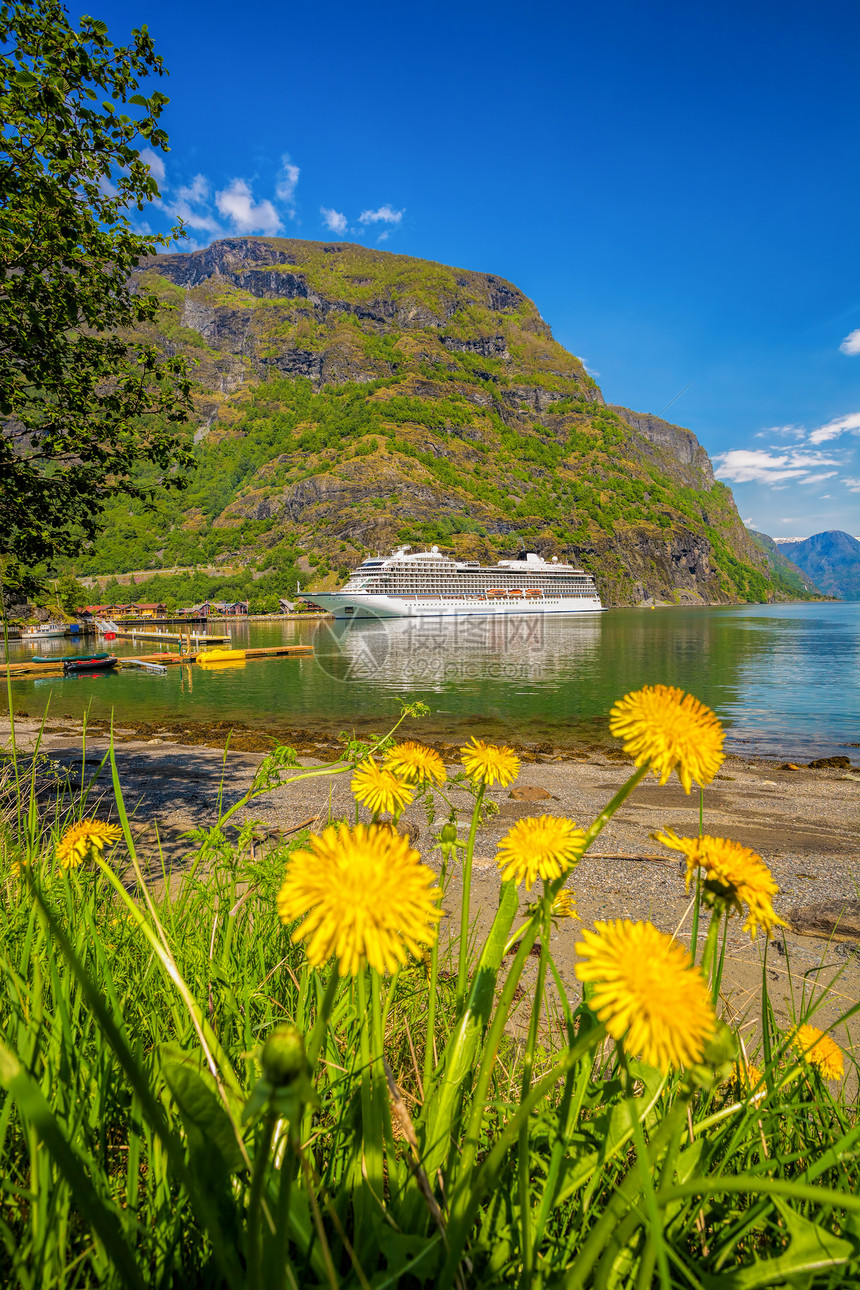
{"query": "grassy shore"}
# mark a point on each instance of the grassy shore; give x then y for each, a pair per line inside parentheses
(189, 1100)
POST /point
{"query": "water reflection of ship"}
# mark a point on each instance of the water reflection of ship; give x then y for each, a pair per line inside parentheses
(437, 653)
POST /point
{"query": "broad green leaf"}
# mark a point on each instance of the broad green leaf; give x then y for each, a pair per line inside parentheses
(616, 1130)
(212, 1144)
(812, 1249)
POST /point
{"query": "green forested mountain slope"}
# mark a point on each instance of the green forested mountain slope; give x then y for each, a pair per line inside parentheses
(349, 399)
(792, 575)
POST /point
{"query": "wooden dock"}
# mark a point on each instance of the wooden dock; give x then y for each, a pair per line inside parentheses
(55, 667)
(197, 638)
(271, 651)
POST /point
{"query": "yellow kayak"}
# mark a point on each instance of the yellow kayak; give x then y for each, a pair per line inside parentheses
(222, 658)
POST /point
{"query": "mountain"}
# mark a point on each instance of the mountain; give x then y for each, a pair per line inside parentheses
(785, 568)
(349, 399)
(832, 559)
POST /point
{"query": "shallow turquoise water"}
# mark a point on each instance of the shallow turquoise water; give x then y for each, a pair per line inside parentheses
(785, 679)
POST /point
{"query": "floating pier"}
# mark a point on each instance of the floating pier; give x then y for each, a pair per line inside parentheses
(55, 667)
(196, 638)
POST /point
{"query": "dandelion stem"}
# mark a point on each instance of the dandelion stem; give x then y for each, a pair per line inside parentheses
(711, 942)
(526, 1249)
(318, 1033)
(431, 998)
(255, 1233)
(465, 906)
(283, 1211)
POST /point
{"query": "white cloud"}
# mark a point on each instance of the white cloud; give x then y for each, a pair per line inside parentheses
(384, 235)
(781, 432)
(334, 221)
(155, 163)
(591, 370)
(744, 465)
(814, 479)
(853, 485)
(237, 204)
(191, 205)
(851, 343)
(288, 178)
(384, 215)
(833, 429)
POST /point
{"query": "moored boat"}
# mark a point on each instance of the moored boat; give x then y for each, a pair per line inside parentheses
(65, 658)
(43, 632)
(101, 663)
(427, 584)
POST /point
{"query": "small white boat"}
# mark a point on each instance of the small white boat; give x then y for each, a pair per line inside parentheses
(43, 631)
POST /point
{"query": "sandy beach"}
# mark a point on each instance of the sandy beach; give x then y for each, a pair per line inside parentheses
(803, 822)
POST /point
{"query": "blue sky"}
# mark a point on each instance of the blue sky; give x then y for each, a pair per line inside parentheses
(675, 185)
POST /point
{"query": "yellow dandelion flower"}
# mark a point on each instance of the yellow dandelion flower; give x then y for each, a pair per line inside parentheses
(564, 905)
(733, 874)
(379, 789)
(671, 730)
(819, 1050)
(486, 763)
(749, 1079)
(648, 992)
(415, 764)
(86, 839)
(543, 847)
(364, 895)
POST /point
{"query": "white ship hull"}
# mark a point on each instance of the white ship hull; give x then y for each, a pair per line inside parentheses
(362, 605)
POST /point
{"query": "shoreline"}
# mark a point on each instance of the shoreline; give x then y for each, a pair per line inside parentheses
(317, 739)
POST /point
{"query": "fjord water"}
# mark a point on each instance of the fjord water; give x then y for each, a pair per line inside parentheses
(784, 679)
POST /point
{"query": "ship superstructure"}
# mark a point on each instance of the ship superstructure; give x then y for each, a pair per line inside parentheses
(429, 584)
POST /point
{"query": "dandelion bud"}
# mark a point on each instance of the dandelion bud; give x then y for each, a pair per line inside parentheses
(448, 838)
(283, 1057)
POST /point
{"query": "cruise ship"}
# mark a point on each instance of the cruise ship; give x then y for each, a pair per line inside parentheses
(427, 584)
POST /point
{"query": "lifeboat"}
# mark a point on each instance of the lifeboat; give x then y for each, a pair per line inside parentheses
(534, 591)
(496, 591)
(515, 591)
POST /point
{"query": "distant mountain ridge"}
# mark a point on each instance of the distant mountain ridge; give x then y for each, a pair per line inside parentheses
(348, 399)
(790, 573)
(831, 559)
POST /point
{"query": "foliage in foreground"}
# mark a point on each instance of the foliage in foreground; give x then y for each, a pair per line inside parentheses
(196, 1096)
(81, 404)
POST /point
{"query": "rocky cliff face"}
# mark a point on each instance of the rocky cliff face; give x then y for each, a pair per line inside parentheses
(348, 399)
(680, 445)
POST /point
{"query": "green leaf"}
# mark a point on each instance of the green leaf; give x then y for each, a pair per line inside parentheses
(212, 1145)
(442, 1107)
(614, 1130)
(812, 1249)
